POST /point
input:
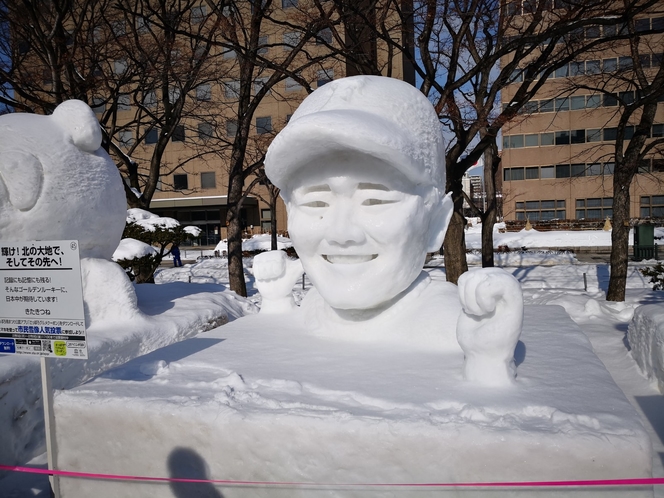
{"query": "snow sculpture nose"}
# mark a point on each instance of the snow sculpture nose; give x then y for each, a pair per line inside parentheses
(342, 228)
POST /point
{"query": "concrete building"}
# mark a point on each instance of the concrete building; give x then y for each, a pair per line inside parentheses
(558, 158)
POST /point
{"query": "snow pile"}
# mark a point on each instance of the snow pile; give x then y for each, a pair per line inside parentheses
(132, 248)
(646, 338)
(165, 314)
(261, 242)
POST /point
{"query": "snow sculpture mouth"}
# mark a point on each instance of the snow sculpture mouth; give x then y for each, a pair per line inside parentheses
(348, 259)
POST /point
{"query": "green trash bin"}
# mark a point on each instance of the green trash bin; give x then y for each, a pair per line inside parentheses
(644, 242)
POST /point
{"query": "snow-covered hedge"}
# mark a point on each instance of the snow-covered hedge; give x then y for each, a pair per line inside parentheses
(646, 338)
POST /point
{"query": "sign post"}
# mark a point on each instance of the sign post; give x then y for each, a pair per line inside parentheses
(41, 313)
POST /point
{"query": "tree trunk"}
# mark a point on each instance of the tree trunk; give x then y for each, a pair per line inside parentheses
(273, 219)
(491, 162)
(234, 229)
(619, 241)
(454, 247)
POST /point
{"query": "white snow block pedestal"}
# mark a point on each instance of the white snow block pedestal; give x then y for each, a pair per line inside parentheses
(261, 400)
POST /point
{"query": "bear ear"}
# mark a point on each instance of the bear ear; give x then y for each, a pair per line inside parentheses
(80, 122)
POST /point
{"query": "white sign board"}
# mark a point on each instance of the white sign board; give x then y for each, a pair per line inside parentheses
(41, 299)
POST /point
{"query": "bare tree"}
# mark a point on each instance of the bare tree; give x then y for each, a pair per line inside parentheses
(635, 87)
(140, 64)
(470, 51)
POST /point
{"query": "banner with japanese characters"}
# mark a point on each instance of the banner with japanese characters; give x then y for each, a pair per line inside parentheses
(41, 299)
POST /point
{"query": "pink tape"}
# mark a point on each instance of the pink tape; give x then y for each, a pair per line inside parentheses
(645, 481)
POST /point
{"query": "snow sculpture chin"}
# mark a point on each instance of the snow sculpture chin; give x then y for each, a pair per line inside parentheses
(57, 183)
(361, 169)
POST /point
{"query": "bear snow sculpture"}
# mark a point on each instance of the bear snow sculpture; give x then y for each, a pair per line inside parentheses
(57, 183)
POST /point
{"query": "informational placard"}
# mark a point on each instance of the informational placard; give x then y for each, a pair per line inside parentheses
(41, 299)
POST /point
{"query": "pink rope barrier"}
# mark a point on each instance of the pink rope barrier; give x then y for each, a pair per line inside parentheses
(645, 481)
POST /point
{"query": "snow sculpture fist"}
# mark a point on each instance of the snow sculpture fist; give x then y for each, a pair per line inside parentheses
(56, 182)
(490, 325)
(276, 275)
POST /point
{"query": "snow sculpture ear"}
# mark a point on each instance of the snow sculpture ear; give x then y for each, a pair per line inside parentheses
(440, 219)
(80, 122)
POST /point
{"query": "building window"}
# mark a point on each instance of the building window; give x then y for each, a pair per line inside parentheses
(562, 138)
(652, 206)
(126, 138)
(262, 45)
(291, 39)
(198, 14)
(173, 94)
(232, 89)
(204, 92)
(178, 134)
(658, 130)
(208, 180)
(594, 169)
(546, 139)
(578, 102)
(578, 136)
(324, 36)
(610, 134)
(292, 85)
(231, 127)
(562, 171)
(264, 125)
(98, 105)
(229, 54)
(150, 99)
(546, 106)
(578, 170)
(151, 136)
(532, 140)
(562, 104)
(593, 67)
(118, 28)
(593, 135)
(124, 102)
(609, 65)
(260, 83)
(541, 210)
(532, 173)
(516, 142)
(547, 172)
(594, 208)
(120, 66)
(180, 182)
(324, 76)
(285, 4)
(205, 131)
(610, 99)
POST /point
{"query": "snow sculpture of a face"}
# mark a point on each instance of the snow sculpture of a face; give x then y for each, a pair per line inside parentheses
(360, 168)
(57, 183)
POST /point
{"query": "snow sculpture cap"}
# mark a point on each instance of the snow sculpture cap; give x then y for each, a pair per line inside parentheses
(375, 115)
(80, 121)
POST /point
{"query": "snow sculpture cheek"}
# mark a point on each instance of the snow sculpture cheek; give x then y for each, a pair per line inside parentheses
(276, 275)
(490, 325)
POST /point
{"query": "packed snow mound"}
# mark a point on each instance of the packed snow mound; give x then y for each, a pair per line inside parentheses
(257, 243)
(132, 248)
(57, 183)
(646, 338)
(287, 406)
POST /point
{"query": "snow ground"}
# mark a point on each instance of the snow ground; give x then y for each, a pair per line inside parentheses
(604, 323)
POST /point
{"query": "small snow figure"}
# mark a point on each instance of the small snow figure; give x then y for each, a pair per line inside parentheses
(490, 325)
(276, 275)
(175, 251)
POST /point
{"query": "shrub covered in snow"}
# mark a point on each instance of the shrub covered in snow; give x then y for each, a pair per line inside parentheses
(147, 238)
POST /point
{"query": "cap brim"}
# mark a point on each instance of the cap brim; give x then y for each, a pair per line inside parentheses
(325, 132)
